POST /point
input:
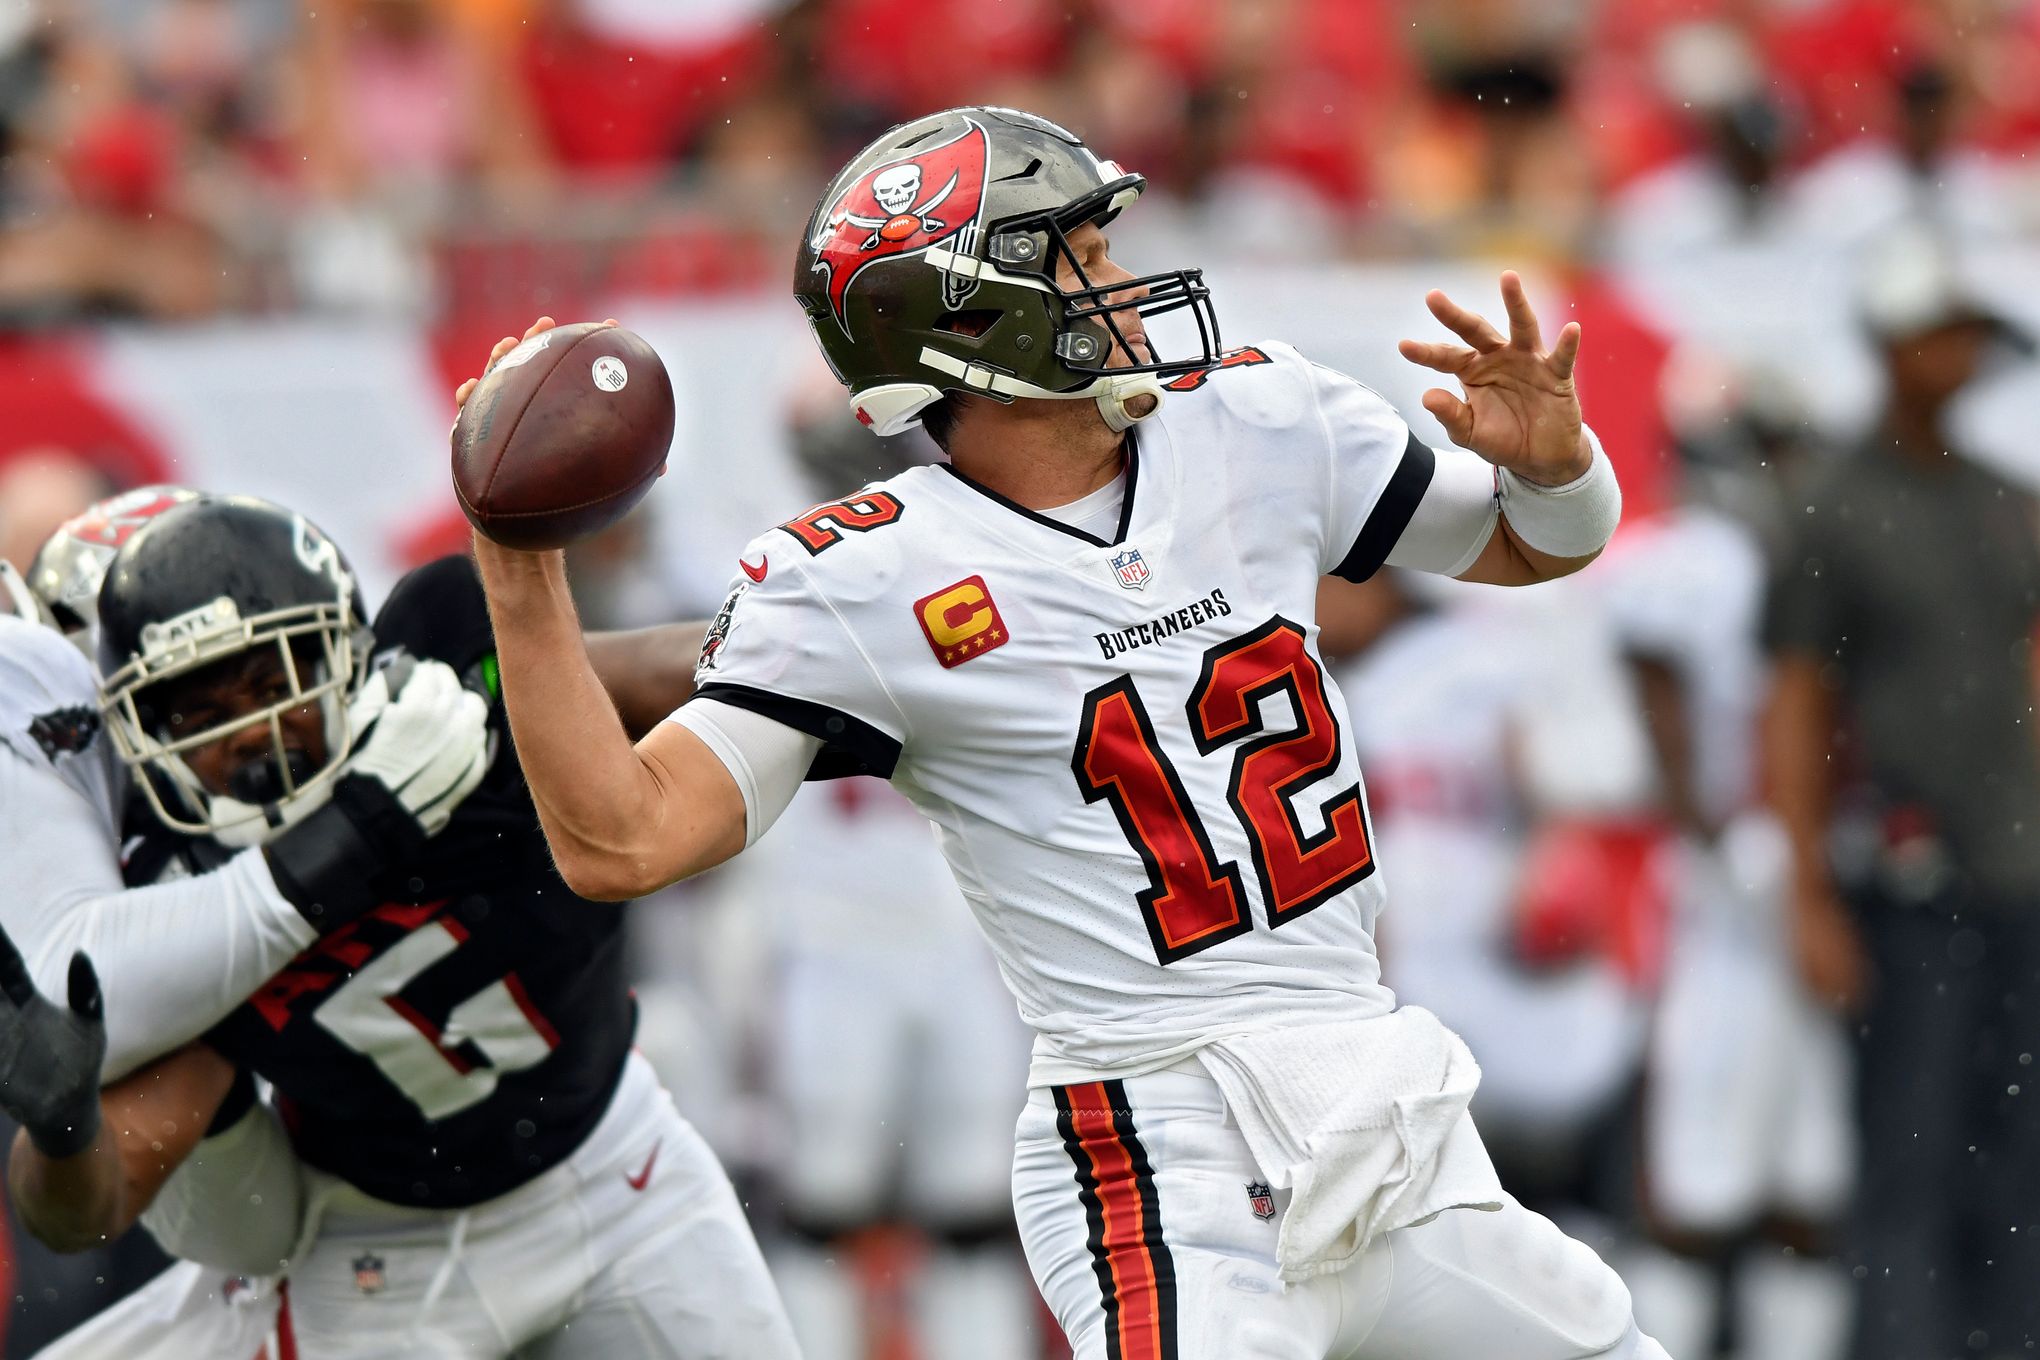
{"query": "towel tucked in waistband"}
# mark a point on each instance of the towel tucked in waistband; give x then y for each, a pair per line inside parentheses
(1364, 1121)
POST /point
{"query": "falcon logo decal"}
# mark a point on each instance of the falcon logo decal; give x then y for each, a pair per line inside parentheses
(902, 208)
(64, 731)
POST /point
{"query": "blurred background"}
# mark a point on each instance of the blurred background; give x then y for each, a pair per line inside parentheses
(1722, 856)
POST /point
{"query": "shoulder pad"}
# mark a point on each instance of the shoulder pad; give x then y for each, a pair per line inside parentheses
(1266, 385)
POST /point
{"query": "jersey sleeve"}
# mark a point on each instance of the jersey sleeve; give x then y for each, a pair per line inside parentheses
(49, 713)
(1376, 473)
(780, 648)
(173, 959)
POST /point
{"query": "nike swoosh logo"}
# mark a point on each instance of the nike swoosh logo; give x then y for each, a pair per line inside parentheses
(756, 573)
(644, 1177)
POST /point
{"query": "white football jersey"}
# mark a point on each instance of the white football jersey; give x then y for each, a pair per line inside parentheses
(49, 716)
(172, 960)
(1138, 768)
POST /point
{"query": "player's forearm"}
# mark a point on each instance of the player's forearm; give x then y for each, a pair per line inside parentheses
(69, 1203)
(598, 802)
(1798, 728)
(1551, 529)
(173, 959)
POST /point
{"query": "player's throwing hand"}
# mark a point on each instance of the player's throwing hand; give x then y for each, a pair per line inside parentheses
(1519, 409)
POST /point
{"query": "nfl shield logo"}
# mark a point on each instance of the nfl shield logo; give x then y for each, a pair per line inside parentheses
(1132, 569)
(1261, 1200)
(368, 1274)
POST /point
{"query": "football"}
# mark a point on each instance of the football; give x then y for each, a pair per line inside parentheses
(565, 434)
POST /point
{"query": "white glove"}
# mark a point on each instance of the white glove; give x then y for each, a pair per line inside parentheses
(427, 738)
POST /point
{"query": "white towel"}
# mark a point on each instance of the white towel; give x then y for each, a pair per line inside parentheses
(1364, 1121)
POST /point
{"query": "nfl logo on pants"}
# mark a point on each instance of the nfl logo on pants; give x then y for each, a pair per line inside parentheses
(1261, 1200)
(1131, 568)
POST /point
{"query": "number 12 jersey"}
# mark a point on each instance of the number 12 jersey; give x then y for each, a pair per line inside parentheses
(1137, 767)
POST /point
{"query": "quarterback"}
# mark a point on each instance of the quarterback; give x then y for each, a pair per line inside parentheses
(1085, 649)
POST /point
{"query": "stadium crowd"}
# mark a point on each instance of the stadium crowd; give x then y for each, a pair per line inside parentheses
(1747, 954)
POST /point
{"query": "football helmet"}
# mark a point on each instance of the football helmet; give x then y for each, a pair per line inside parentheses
(929, 266)
(205, 581)
(71, 564)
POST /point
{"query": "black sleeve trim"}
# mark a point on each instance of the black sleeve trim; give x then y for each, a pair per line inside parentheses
(1391, 514)
(850, 746)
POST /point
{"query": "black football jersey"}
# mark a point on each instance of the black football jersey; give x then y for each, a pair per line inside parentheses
(466, 1035)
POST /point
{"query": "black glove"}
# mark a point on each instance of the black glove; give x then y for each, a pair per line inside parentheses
(50, 1057)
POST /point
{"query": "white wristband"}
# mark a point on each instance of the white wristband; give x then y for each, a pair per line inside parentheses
(1574, 520)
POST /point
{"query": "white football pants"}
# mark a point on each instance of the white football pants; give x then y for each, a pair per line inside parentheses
(634, 1246)
(1149, 1241)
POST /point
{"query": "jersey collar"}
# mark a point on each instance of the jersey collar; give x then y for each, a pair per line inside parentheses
(1125, 503)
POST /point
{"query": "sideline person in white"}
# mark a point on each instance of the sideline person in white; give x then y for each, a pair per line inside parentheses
(1084, 649)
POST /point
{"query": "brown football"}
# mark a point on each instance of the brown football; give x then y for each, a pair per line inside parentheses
(563, 437)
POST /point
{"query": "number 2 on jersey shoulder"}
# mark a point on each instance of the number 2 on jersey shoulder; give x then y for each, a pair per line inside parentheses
(823, 527)
(1193, 901)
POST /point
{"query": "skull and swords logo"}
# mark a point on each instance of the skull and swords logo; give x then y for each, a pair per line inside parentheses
(891, 210)
(898, 190)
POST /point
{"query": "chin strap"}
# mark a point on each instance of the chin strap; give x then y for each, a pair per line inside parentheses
(1114, 395)
(1121, 394)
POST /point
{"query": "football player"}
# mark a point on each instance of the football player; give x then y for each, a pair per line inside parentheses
(180, 955)
(1084, 649)
(488, 1166)
(193, 950)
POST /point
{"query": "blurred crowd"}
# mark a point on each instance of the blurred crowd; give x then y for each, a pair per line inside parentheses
(1719, 855)
(174, 158)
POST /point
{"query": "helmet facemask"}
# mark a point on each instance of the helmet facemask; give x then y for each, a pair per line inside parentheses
(1084, 326)
(321, 654)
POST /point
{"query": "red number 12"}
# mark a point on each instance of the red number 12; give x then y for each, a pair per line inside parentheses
(1193, 901)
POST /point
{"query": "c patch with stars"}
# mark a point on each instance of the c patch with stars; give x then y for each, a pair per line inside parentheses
(961, 622)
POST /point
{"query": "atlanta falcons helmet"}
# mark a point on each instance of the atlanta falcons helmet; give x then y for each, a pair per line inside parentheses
(929, 266)
(201, 583)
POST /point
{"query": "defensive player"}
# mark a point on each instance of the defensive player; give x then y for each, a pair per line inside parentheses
(490, 1169)
(182, 954)
(1084, 649)
(193, 950)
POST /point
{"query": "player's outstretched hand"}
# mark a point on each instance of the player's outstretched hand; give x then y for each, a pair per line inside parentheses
(50, 1056)
(1518, 408)
(423, 735)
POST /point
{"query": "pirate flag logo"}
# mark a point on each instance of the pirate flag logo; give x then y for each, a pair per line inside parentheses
(902, 208)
